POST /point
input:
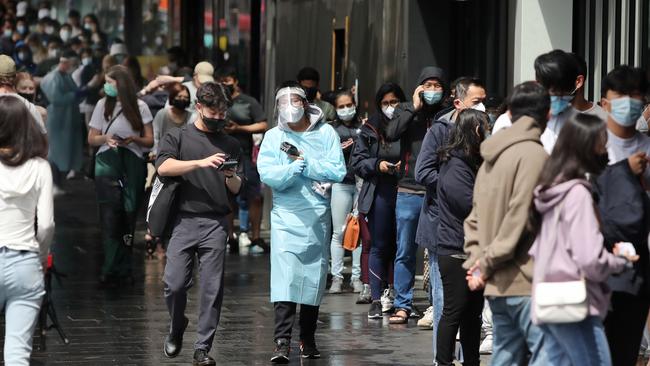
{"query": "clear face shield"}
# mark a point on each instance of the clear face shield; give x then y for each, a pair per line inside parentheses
(289, 106)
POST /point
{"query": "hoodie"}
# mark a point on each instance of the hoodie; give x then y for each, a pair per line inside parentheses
(25, 194)
(495, 230)
(409, 127)
(569, 245)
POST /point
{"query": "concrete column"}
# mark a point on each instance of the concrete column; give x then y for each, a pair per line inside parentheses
(537, 26)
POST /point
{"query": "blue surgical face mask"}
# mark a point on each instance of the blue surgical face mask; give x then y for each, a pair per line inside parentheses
(559, 103)
(431, 97)
(626, 111)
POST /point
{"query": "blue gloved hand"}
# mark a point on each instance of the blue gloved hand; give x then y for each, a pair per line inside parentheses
(297, 167)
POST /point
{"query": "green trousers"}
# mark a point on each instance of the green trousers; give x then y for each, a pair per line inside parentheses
(119, 182)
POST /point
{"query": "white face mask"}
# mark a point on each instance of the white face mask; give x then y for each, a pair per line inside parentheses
(388, 111)
(65, 35)
(86, 61)
(346, 114)
(290, 114)
(479, 107)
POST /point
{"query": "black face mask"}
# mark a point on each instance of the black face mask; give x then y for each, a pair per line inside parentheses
(602, 160)
(28, 96)
(215, 125)
(311, 93)
(230, 88)
(181, 104)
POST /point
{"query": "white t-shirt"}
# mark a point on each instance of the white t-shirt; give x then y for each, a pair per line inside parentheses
(121, 126)
(620, 149)
(25, 194)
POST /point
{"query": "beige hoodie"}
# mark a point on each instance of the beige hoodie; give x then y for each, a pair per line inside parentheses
(495, 229)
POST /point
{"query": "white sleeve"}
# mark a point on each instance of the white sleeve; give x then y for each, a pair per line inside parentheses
(37, 116)
(45, 210)
(145, 112)
(97, 119)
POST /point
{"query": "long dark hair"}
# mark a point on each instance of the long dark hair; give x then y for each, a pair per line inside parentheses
(573, 156)
(19, 133)
(463, 137)
(126, 94)
(384, 89)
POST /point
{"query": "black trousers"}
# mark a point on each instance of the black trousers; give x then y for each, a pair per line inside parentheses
(285, 314)
(624, 327)
(462, 308)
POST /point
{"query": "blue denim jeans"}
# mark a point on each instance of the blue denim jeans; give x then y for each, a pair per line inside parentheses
(582, 343)
(437, 298)
(21, 295)
(515, 334)
(407, 213)
(242, 202)
(343, 196)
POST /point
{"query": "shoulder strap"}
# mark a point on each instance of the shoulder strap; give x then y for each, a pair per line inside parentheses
(545, 256)
(110, 123)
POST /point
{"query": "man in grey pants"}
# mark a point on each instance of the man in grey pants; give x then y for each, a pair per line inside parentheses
(196, 154)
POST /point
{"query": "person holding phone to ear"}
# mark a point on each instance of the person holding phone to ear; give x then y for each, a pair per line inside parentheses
(203, 157)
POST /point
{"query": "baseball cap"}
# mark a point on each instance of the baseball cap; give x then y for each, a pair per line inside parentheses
(204, 72)
(7, 66)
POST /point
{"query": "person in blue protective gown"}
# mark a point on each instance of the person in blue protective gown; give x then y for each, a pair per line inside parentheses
(299, 159)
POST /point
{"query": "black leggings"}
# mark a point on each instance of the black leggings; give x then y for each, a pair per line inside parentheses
(624, 327)
(285, 314)
(462, 308)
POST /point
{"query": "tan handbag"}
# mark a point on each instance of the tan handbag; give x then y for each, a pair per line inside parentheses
(351, 232)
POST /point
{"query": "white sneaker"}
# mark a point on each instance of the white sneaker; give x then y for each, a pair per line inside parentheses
(387, 299)
(244, 240)
(337, 284)
(426, 322)
(357, 286)
(486, 345)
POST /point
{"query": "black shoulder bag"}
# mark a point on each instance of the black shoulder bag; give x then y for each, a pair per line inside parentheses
(162, 206)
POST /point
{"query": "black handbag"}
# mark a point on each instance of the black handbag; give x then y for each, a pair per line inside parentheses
(162, 206)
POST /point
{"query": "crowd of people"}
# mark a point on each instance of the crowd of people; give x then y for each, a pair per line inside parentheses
(533, 213)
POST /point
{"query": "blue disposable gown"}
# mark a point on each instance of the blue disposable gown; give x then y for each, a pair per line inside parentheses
(64, 122)
(300, 218)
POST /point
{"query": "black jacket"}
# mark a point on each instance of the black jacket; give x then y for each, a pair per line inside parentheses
(410, 126)
(348, 132)
(625, 217)
(365, 162)
(427, 174)
(455, 190)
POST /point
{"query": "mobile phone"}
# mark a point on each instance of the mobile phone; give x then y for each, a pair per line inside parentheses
(229, 164)
(289, 149)
(118, 138)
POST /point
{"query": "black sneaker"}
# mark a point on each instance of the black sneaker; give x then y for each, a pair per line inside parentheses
(233, 245)
(375, 310)
(259, 246)
(415, 312)
(281, 352)
(202, 358)
(309, 351)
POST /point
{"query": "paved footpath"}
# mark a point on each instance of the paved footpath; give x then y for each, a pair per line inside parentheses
(126, 326)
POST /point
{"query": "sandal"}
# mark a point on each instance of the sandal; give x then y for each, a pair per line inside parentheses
(401, 316)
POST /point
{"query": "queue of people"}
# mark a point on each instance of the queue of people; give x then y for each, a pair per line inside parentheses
(543, 210)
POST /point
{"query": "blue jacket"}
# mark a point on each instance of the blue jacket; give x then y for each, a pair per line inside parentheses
(455, 191)
(426, 174)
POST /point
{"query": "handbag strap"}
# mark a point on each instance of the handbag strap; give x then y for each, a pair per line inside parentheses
(110, 123)
(545, 256)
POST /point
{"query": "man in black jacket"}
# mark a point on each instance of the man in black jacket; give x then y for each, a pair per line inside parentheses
(409, 125)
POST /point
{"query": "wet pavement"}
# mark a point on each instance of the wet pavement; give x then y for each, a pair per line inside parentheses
(126, 326)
